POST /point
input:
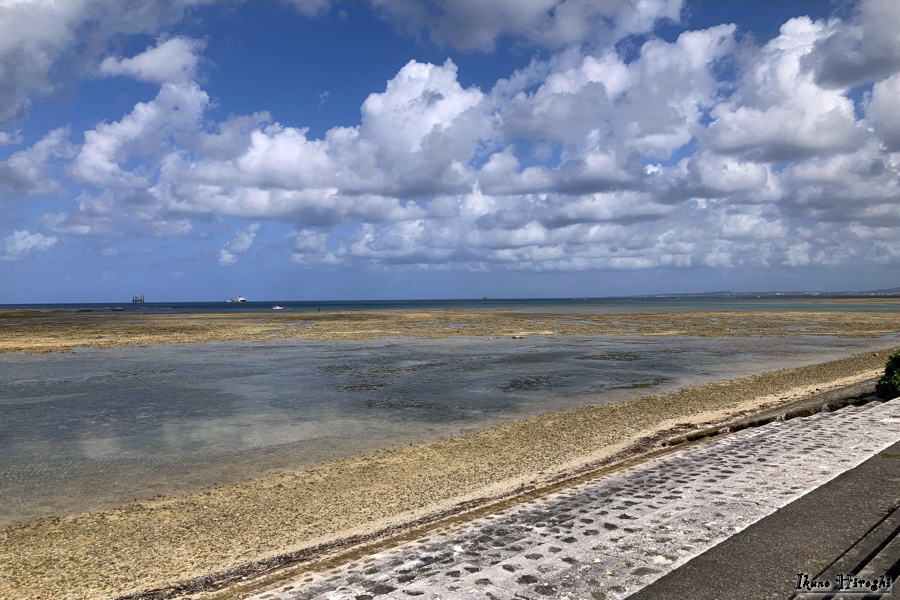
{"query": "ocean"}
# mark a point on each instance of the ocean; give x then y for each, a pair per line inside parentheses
(623, 305)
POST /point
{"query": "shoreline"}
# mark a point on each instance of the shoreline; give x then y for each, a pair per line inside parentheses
(153, 543)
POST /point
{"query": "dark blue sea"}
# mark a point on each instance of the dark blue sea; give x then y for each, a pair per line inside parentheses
(623, 305)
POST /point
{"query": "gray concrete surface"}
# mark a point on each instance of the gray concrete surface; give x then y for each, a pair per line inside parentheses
(849, 526)
(611, 537)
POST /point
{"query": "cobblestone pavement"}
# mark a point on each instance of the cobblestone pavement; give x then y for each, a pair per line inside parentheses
(607, 538)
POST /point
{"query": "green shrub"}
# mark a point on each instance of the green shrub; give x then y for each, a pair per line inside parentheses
(889, 386)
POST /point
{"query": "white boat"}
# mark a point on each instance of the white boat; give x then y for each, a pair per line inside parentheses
(241, 299)
(276, 307)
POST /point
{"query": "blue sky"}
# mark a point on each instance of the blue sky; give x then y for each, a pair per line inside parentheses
(316, 150)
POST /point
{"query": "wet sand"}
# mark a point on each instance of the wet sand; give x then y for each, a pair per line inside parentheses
(58, 331)
(155, 543)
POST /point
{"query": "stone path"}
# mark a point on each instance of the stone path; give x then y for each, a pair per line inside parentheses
(607, 538)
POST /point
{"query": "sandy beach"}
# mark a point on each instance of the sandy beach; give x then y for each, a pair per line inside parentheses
(153, 544)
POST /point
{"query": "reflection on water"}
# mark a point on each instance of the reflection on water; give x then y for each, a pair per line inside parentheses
(95, 427)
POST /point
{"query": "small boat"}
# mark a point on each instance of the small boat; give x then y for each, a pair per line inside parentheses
(276, 307)
(241, 299)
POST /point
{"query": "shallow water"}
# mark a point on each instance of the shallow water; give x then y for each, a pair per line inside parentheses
(96, 427)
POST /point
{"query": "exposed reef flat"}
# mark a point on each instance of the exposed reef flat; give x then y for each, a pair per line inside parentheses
(154, 543)
(58, 331)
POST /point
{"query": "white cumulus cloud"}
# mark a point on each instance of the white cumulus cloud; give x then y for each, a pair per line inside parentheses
(239, 244)
(28, 172)
(22, 243)
(148, 130)
(44, 44)
(170, 61)
(883, 112)
(864, 48)
(779, 112)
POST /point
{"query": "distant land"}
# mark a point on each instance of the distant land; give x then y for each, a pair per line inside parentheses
(729, 294)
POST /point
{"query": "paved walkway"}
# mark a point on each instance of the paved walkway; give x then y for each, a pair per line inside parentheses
(848, 527)
(608, 538)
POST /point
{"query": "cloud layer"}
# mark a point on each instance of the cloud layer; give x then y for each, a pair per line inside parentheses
(707, 150)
